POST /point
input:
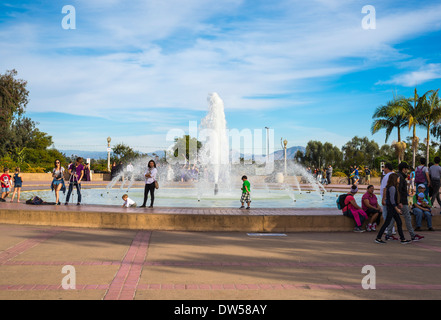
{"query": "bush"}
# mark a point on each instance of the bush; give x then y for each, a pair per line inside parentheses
(339, 174)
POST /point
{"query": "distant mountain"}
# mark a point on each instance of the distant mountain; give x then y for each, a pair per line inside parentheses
(100, 154)
(290, 153)
(278, 155)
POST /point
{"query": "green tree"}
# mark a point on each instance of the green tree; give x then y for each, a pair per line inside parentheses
(386, 117)
(314, 154)
(184, 149)
(360, 151)
(431, 115)
(124, 153)
(13, 101)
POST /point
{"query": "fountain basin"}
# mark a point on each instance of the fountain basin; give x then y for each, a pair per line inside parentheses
(193, 198)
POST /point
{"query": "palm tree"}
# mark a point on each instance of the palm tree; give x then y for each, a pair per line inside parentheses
(410, 109)
(386, 117)
(430, 114)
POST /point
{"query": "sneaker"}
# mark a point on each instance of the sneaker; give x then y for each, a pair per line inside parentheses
(417, 237)
(431, 229)
(374, 227)
(380, 241)
(358, 229)
(242, 207)
(391, 238)
(406, 241)
(78, 204)
(248, 208)
(369, 228)
(66, 203)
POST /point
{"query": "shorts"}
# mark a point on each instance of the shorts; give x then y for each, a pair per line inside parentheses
(17, 185)
(245, 197)
(5, 190)
(57, 182)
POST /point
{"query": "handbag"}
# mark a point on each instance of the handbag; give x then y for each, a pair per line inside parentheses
(156, 185)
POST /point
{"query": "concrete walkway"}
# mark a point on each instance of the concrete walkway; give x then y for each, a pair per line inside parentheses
(151, 265)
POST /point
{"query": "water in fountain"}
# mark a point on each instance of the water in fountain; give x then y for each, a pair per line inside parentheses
(214, 155)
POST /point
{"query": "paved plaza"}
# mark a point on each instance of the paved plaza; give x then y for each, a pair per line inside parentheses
(175, 265)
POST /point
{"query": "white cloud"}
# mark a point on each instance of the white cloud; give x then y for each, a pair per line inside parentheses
(139, 62)
(425, 73)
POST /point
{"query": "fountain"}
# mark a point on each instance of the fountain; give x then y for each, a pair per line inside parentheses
(215, 151)
(216, 168)
(218, 182)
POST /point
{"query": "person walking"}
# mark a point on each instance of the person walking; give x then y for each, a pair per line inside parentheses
(329, 174)
(245, 193)
(435, 177)
(387, 170)
(393, 211)
(18, 183)
(57, 184)
(150, 178)
(367, 173)
(403, 170)
(5, 179)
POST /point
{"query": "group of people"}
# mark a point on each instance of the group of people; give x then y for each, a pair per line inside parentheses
(321, 175)
(6, 184)
(189, 173)
(354, 175)
(394, 193)
(77, 174)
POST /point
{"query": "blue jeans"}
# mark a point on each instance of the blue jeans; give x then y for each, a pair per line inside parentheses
(71, 185)
(419, 217)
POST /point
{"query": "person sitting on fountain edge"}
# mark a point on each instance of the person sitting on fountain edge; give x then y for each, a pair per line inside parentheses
(245, 193)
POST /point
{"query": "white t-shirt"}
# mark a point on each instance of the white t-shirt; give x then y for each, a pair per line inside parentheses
(384, 183)
(129, 202)
(153, 172)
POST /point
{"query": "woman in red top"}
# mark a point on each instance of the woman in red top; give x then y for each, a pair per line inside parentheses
(352, 209)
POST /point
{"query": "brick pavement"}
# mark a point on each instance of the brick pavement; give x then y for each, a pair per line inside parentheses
(162, 265)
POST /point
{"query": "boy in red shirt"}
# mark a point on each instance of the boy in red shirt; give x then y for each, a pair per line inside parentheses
(5, 180)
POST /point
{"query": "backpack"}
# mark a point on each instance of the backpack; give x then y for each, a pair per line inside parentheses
(420, 176)
(341, 201)
(35, 200)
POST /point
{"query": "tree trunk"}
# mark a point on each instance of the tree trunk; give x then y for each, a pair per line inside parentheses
(414, 146)
(428, 145)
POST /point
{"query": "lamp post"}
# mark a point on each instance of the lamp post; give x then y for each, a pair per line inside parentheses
(108, 153)
(267, 144)
(284, 143)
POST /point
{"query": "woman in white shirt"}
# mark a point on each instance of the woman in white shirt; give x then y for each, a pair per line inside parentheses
(58, 181)
(150, 178)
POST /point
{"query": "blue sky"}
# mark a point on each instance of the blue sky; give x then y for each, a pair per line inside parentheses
(133, 70)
